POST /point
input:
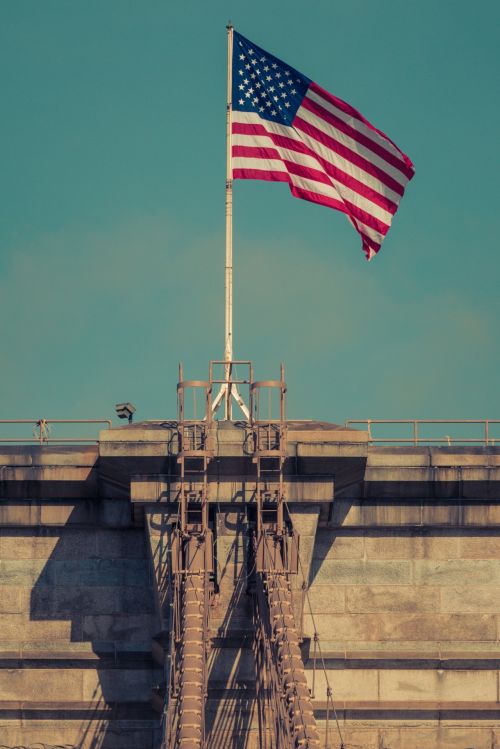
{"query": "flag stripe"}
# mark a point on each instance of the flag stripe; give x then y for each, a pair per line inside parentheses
(314, 94)
(357, 140)
(316, 133)
(360, 182)
(305, 165)
(342, 105)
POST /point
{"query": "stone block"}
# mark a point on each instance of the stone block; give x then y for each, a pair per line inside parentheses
(117, 628)
(42, 543)
(348, 684)
(231, 523)
(471, 599)
(10, 600)
(325, 599)
(101, 572)
(398, 513)
(25, 572)
(305, 518)
(454, 572)
(79, 512)
(481, 546)
(439, 686)
(385, 598)
(121, 544)
(330, 545)
(360, 572)
(392, 545)
(63, 602)
(18, 628)
(81, 734)
(436, 737)
(41, 684)
(442, 513)
(402, 627)
(228, 667)
(117, 685)
(25, 513)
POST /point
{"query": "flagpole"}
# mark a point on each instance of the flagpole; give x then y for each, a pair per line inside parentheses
(228, 342)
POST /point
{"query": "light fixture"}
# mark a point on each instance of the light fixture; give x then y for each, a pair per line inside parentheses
(125, 411)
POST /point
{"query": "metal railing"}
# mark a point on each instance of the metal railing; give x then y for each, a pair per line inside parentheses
(42, 430)
(417, 439)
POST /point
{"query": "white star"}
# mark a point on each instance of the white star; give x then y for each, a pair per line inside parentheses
(289, 81)
(271, 89)
(275, 98)
(287, 104)
(255, 100)
(261, 109)
(274, 112)
(245, 81)
(268, 77)
(247, 66)
(240, 72)
(287, 72)
(266, 68)
(298, 80)
(268, 103)
(262, 59)
(248, 94)
(250, 52)
(263, 95)
(257, 71)
(254, 62)
(293, 91)
(242, 57)
(242, 101)
(251, 90)
(283, 95)
(252, 76)
(278, 75)
(241, 87)
(274, 66)
(253, 103)
(257, 85)
(281, 84)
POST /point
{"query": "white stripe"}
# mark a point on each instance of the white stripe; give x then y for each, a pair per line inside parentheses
(313, 119)
(266, 165)
(249, 118)
(310, 162)
(355, 123)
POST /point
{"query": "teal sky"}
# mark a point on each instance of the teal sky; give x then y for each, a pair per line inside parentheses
(112, 169)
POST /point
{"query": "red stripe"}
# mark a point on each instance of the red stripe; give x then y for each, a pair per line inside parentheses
(333, 171)
(315, 197)
(265, 174)
(256, 152)
(339, 124)
(358, 116)
(346, 153)
(244, 128)
(338, 174)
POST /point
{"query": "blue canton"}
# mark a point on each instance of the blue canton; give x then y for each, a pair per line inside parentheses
(264, 84)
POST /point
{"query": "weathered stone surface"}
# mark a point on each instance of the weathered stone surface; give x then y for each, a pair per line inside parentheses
(17, 627)
(471, 598)
(403, 598)
(439, 686)
(10, 600)
(25, 572)
(396, 546)
(348, 684)
(325, 599)
(397, 626)
(108, 627)
(117, 685)
(432, 737)
(42, 684)
(477, 572)
(335, 546)
(480, 546)
(354, 572)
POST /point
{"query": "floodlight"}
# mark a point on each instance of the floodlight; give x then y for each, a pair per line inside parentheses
(125, 411)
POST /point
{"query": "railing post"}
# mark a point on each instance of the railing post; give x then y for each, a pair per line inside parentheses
(415, 432)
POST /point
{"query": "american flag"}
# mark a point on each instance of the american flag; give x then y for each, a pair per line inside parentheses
(286, 128)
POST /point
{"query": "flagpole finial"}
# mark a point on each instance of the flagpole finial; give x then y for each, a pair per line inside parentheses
(229, 26)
